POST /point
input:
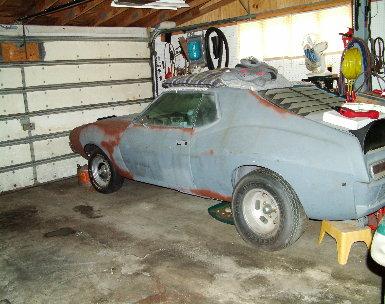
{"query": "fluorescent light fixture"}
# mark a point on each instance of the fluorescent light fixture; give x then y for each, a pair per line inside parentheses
(157, 4)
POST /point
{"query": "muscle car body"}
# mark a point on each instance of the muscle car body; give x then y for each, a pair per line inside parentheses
(277, 129)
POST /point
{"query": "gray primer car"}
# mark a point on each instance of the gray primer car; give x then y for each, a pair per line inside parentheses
(267, 151)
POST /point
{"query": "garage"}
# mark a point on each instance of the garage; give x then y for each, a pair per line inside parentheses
(197, 151)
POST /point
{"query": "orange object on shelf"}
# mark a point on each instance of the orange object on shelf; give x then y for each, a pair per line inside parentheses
(83, 176)
(14, 52)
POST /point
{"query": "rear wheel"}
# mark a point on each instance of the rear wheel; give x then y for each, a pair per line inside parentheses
(267, 212)
(103, 175)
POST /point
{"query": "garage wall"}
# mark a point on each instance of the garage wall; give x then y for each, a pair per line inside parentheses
(83, 74)
(378, 30)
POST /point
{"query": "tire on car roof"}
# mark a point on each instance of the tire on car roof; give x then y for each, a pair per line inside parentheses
(103, 175)
(267, 212)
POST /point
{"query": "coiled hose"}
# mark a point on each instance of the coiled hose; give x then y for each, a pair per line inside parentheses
(222, 41)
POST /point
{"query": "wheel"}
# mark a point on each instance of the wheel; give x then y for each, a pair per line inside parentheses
(267, 212)
(103, 175)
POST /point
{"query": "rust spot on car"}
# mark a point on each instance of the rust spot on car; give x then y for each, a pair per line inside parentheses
(75, 144)
(268, 104)
(211, 194)
(160, 127)
(208, 152)
(113, 129)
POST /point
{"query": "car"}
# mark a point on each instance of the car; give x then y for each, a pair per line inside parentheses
(267, 151)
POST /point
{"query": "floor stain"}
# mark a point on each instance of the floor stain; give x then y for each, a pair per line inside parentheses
(88, 211)
(19, 218)
(65, 231)
(155, 298)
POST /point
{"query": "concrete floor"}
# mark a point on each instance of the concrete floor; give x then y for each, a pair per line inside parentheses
(146, 244)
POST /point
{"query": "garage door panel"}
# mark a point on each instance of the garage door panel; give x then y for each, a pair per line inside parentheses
(75, 50)
(13, 155)
(84, 73)
(11, 104)
(54, 99)
(59, 169)
(50, 148)
(13, 180)
(10, 78)
(67, 121)
(61, 74)
(11, 129)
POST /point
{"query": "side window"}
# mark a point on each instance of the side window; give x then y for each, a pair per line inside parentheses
(173, 109)
(207, 112)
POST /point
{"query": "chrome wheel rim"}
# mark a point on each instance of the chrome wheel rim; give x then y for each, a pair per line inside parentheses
(261, 211)
(101, 171)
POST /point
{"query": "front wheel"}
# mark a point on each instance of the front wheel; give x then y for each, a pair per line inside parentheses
(103, 175)
(267, 212)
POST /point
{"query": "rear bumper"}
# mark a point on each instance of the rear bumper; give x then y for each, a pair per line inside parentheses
(369, 197)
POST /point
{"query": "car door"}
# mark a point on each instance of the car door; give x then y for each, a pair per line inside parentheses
(207, 156)
(158, 142)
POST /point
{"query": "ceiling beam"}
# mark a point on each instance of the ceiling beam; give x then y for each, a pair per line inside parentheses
(108, 13)
(66, 16)
(128, 17)
(6, 20)
(41, 6)
(97, 15)
(200, 11)
(157, 17)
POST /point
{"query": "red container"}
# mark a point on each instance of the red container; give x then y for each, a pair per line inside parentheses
(83, 176)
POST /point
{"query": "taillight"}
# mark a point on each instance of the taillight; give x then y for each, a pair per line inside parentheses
(378, 169)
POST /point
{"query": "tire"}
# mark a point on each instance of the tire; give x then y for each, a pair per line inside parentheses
(103, 175)
(267, 212)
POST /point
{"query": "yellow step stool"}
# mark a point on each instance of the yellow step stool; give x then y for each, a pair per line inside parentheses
(345, 233)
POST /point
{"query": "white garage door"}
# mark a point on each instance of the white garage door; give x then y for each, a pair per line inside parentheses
(84, 74)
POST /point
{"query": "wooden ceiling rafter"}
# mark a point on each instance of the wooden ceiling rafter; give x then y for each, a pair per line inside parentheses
(100, 12)
(97, 14)
(188, 15)
(65, 17)
(110, 16)
(41, 6)
(199, 11)
(129, 17)
(157, 17)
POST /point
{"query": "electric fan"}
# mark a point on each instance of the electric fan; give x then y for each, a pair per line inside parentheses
(314, 55)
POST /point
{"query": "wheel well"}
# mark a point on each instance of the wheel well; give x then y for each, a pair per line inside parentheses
(241, 171)
(90, 148)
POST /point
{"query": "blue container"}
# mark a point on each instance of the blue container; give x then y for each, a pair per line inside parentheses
(194, 50)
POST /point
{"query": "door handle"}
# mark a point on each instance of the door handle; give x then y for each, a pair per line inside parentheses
(181, 143)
